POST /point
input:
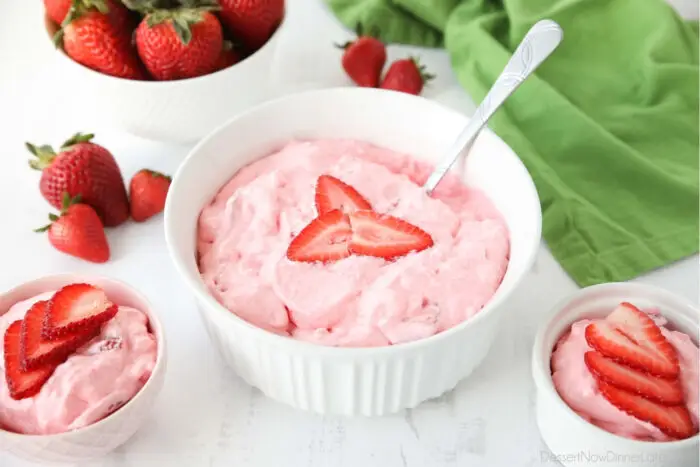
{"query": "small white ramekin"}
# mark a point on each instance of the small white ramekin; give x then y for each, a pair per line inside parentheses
(181, 111)
(573, 441)
(351, 381)
(104, 436)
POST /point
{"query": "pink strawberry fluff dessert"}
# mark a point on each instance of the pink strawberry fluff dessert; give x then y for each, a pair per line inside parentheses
(336, 243)
(93, 381)
(630, 375)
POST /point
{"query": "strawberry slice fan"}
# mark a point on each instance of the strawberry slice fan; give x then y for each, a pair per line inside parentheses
(51, 331)
(637, 370)
(347, 225)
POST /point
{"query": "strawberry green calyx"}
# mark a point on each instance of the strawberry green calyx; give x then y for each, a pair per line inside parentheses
(425, 76)
(148, 6)
(372, 32)
(360, 32)
(154, 173)
(182, 18)
(77, 139)
(44, 156)
(344, 45)
(199, 4)
(77, 9)
(66, 203)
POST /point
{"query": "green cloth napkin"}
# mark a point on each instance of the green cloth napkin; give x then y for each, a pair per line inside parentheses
(608, 126)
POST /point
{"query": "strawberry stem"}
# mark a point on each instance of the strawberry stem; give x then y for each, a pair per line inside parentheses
(45, 156)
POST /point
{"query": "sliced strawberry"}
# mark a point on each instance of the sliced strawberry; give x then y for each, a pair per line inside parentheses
(663, 391)
(385, 236)
(21, 384)
(639, 327)
(607, 339)
(332, 193)
(674, 420)
(77, 308)
(36, 351)
(325, 239)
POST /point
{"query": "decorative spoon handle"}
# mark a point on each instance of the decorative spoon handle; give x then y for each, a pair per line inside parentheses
(536, 46)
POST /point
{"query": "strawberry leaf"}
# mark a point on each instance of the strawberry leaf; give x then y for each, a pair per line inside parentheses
(76, 139)
(182, 29)
(181, 19)
(45, 156)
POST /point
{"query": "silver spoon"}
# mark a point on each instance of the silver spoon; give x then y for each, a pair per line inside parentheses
(536, 46)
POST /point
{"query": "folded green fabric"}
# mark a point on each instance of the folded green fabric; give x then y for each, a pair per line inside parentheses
(608, 126)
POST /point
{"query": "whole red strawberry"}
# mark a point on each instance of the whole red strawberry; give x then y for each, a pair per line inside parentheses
(180, 43)
(78, 231)
(86, 169)
(148, 190)
(57, 10)
(97, 34)
(364, 59)
(228, 57)
(406, 75)
(252, 21)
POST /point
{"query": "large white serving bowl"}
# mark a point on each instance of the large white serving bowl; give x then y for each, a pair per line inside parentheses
(351, 381)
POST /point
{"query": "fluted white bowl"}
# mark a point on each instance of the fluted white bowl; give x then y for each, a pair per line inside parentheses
(111, 432)
(351, 381)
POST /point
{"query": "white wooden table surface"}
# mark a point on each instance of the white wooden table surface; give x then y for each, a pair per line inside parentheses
(206, 415)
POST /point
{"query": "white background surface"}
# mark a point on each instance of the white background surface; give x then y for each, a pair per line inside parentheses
(206, 415)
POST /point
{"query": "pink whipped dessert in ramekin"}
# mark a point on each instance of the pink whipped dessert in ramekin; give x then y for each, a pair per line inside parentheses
(619, 389)
(578, 386)
(100, 394)
(97, 379)
(358, 301)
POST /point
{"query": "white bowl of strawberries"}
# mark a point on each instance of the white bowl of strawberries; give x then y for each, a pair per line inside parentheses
(168, 70)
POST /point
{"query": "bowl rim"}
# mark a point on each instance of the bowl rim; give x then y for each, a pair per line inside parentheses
(154, 322)
(50, 25)
(542, 376)
(212, 305)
